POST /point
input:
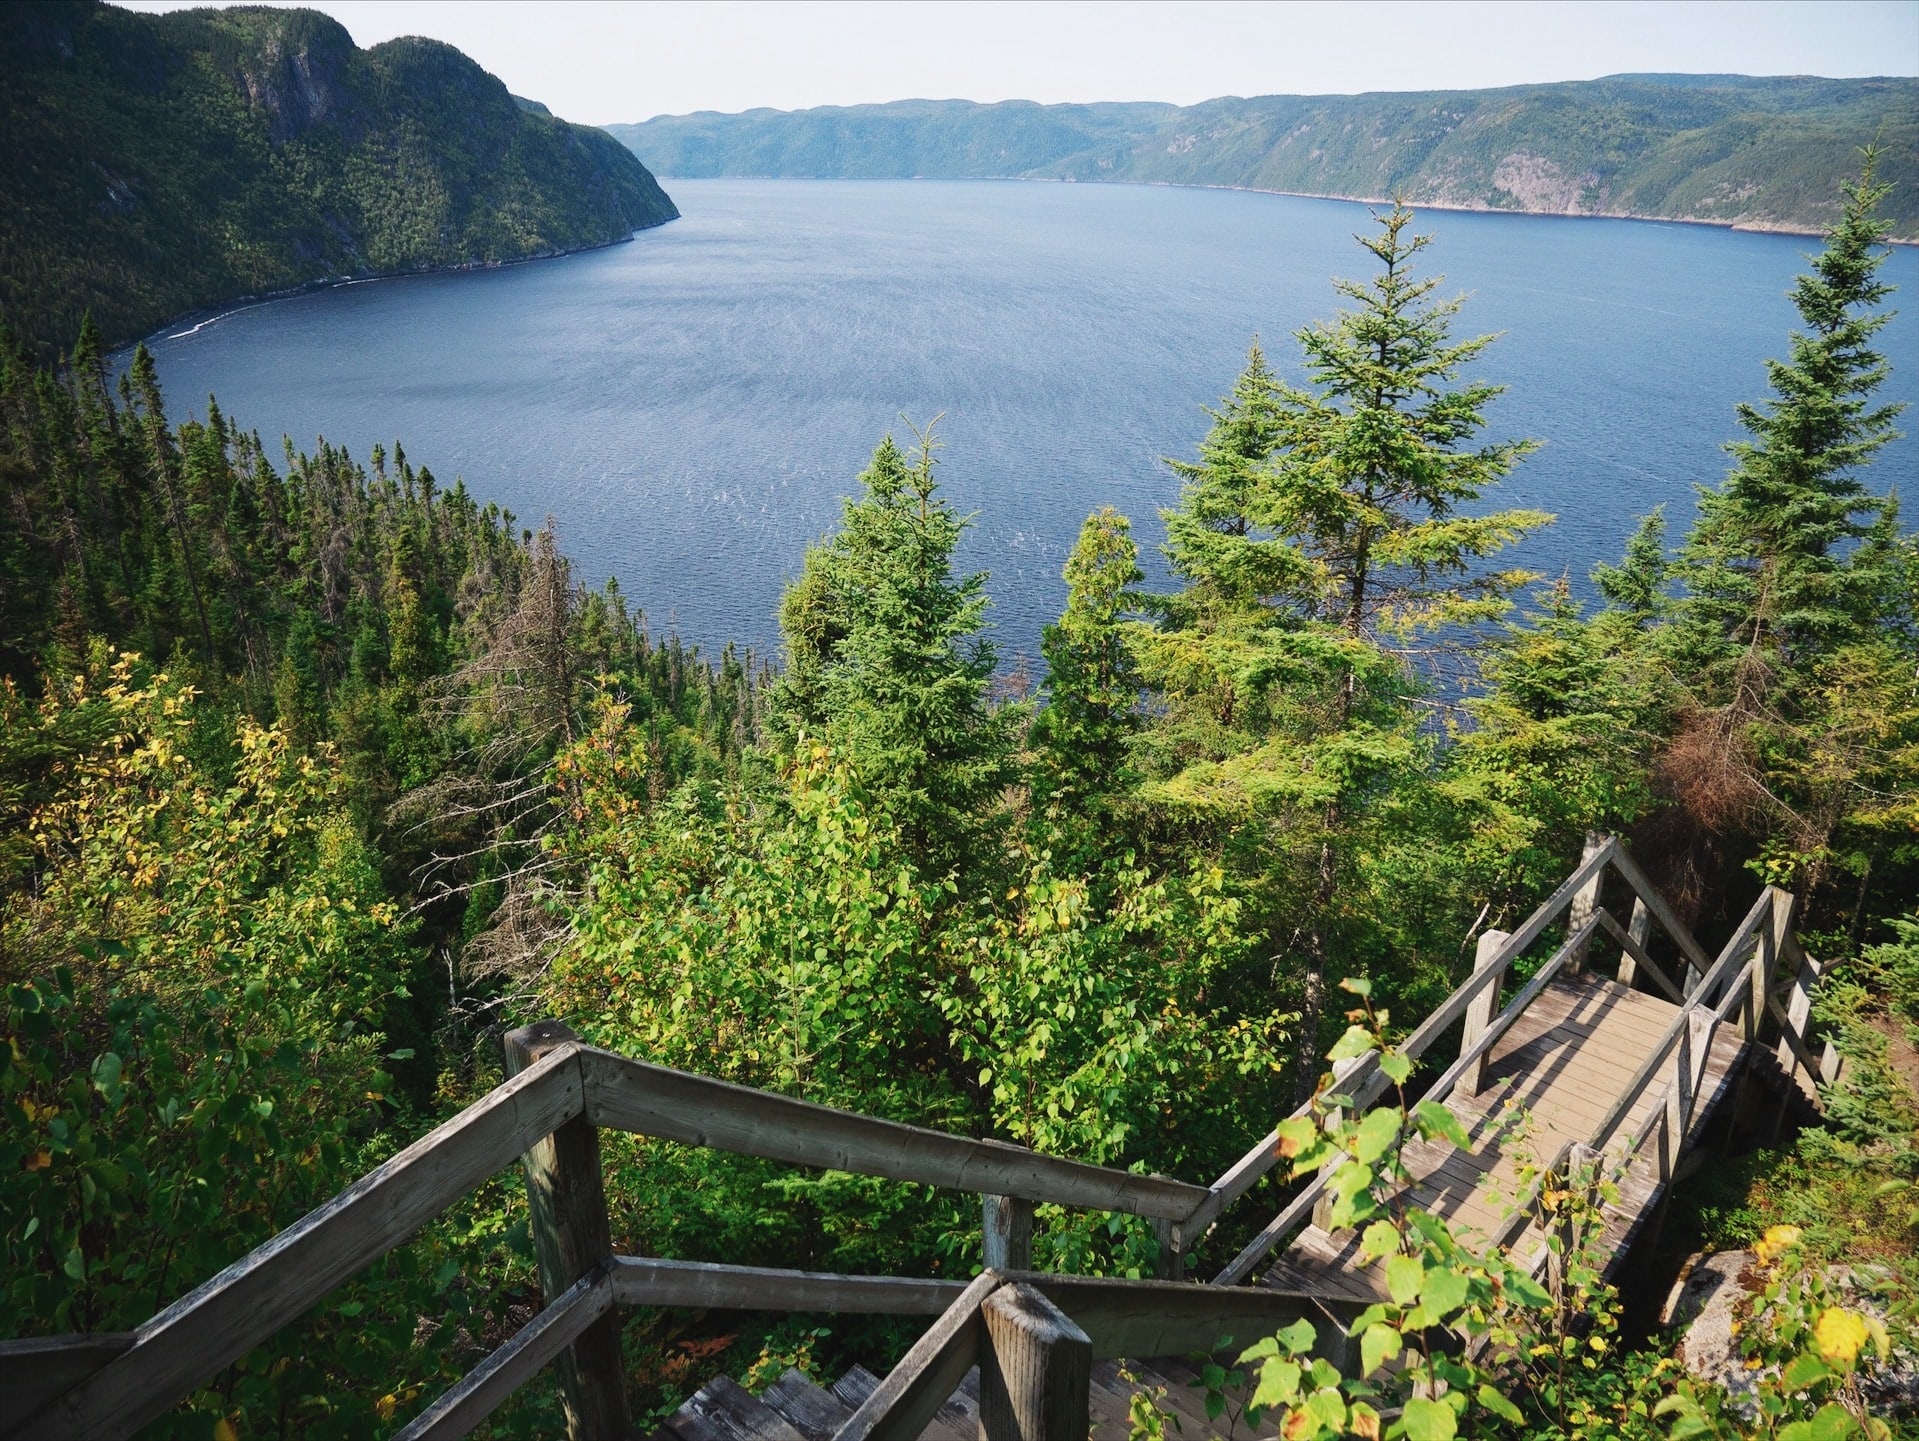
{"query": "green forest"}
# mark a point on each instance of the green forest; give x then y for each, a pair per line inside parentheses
(317, 774)
(160, 164)
(1747, 150)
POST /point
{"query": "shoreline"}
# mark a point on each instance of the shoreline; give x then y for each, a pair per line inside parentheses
(1709, 222)
(200, 317)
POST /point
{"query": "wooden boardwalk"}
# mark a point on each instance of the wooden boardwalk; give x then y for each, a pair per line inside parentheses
(1552, 1079)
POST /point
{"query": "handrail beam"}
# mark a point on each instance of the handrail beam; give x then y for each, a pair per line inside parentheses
(216, 1323)
(1244, 1173)
(1641, 958)
(653, 1100)
(902, 1404)
(538, 1342)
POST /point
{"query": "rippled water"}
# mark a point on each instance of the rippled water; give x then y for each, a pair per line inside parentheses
(690, 407)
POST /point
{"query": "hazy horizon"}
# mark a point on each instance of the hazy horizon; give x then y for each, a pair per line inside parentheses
(609, 64)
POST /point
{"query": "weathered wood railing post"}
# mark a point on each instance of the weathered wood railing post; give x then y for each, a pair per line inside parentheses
(1778, 939)
(1585, 903)
(1798, 1015)
(1007, 1233)
(1172, 1249)
(1639, 927)
(1479, 1014)
(566, 1197)
(1323, 1207)
(1035, 1371)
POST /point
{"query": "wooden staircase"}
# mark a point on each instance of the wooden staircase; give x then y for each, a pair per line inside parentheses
(794, 1408)
(1624, 1073)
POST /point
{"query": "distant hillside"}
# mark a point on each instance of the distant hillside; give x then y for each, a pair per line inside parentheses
(156, 164)
(1754, 152)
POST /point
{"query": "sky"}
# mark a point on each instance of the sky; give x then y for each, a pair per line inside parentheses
(610, 61)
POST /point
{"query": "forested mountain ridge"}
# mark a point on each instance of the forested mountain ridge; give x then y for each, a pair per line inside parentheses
(157, 164)
(1756, 152)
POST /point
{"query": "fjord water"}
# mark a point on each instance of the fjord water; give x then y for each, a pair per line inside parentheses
(691, 406)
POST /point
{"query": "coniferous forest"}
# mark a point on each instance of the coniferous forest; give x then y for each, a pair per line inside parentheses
(316, 774)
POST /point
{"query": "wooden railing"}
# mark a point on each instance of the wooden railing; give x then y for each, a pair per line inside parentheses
(1360, 1083)
(560, 1092)
(547, 1115)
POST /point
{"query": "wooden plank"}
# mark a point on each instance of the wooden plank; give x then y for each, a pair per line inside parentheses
(213, 1325)
(914, 1390)
(566, 1206)
(650, 1281)
(726, 1406)
(539, 1341)
(1479, 1015)
(811, 1410)
(952, 1422)
(1035, 1369)
(35, 1369)
(700, 1111)
(1166, 1318)
(1634, 956)
(1668, 919)
(1006, 1233)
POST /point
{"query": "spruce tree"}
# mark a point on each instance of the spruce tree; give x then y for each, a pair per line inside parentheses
(1092, 686)
(1375, 459)
(1321, 521)
(1636, 587)
(1772, 580)
(886, 664)
(1794, 636)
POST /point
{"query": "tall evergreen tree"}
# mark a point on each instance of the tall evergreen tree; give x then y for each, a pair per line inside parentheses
(1771, 578)
(1636, 587)
(886, 663)
(1375, 460)
(1794, 632)
(1092, 686)
(1319, 521)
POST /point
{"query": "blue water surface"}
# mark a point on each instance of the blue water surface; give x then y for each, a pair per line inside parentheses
(691, 406)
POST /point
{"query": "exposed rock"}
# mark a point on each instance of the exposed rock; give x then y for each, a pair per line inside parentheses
(1540, 186)
(1714, 1300)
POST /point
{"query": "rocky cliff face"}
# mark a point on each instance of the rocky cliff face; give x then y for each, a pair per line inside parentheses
(156, 164)
(297, 77)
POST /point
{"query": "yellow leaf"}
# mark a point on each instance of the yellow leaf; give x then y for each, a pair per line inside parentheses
(1839, 1335)
(225, 1430)
(385, 1406)
(39, 1160)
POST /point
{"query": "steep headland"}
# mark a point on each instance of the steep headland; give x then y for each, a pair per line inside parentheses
(157, 164)
(1759, 153)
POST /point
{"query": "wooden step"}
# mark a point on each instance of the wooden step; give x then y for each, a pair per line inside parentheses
(812, 1410)
(795, 1408)
(1560, 1065)
(957, 1420)
(724, 1410)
